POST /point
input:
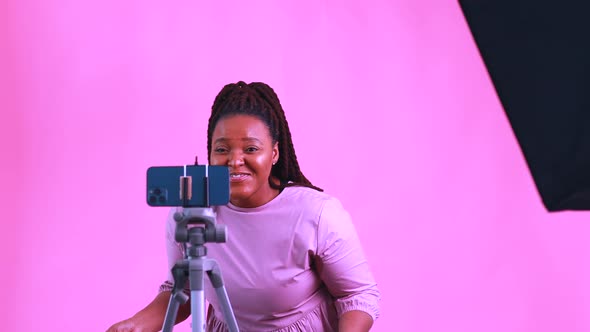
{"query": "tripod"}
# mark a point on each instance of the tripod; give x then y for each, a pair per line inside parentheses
(194, 266)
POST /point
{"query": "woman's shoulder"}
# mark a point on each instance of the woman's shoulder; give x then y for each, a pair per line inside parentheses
(308, 198)
(305, 193)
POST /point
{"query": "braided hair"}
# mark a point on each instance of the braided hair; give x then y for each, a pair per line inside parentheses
(259, 100)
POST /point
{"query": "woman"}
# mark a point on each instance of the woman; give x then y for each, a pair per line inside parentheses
(294, 261)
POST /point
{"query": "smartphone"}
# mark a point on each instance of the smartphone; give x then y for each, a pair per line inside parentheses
(164, 185)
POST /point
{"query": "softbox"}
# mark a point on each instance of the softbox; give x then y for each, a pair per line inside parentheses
(537, 54)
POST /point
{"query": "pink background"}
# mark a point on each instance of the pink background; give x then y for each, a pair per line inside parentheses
(390, 108)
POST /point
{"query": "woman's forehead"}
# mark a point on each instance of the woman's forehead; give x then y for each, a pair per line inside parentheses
(242, 128)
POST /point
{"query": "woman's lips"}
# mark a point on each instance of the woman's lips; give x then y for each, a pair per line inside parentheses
(238, 177)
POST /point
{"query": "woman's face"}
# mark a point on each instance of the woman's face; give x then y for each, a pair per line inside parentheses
(243, 143)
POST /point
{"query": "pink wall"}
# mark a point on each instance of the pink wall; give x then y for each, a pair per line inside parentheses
(390, 108)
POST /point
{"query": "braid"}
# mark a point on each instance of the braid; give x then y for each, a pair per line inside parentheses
(260, 100)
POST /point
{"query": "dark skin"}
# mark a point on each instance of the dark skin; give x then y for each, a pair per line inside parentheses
(243, 143)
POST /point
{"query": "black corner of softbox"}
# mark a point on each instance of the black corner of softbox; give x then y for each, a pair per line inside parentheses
(537, 54)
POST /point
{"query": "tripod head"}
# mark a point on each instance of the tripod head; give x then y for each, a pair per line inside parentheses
(208, 232)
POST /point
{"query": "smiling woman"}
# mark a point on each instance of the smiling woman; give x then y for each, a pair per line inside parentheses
(294, 262)
(243, 143)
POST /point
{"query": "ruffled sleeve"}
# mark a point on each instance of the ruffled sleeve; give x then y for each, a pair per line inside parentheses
(341, 262)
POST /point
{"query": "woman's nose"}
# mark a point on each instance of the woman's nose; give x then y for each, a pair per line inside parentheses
(235, 160)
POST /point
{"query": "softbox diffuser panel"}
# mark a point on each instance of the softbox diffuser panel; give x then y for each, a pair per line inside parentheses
(538, 57)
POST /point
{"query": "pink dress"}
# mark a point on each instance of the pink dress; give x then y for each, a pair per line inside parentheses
(293, 264)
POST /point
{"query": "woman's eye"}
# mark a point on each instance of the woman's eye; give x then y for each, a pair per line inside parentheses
(220, 150)
(251, 149)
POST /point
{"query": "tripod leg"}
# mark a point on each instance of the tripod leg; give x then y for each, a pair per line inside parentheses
(217, 281)
(198, 298)
(178, 297)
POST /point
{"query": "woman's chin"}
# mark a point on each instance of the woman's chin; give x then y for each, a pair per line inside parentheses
(238, 199)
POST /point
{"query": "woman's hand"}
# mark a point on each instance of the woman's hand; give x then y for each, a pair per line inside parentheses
(128, 325)
(151, 318)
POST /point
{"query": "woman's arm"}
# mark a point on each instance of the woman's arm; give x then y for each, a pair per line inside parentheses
(151, 318)
(355, 321)
(343, 268)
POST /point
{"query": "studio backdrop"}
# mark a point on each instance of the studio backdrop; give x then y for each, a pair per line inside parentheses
(392, 110)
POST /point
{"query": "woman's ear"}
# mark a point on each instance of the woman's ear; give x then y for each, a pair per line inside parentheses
(275, 153)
